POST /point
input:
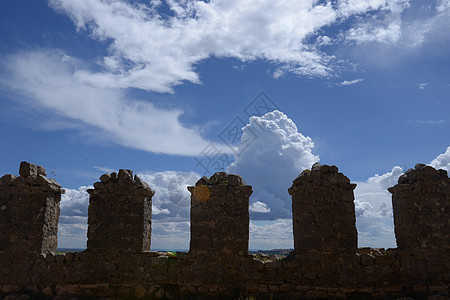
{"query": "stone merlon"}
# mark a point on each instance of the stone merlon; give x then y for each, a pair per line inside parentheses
(31, 174)
(421, 203)
(321, 175)
(219, 214)
(120, 183)
(323, 211)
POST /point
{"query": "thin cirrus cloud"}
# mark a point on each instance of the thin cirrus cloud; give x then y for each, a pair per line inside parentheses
(423, 85)
(351, 82)
(47, 79)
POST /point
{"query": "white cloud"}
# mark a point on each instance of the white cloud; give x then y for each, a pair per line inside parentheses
(272, 161)
(373, 208)
(373, 205)
(351, 82)
(72, 227)
(442, 161)
(443, 5)
(48, 79)
(172, 200)
(168, 235)
(170, 211)
(271, 235)
(104, 169)
(423, 85)
(431, 122)
(259, 207)
(154, 51)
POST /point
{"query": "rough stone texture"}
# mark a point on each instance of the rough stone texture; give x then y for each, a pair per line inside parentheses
(421, 203)
(120, 209)
(323, 210)
(219, 214)
(29, 212)
(364, 273)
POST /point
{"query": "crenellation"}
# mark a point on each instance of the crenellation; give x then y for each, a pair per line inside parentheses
(421, 203)
(326, 263)
(219, 214)
(315, 194)
(120, 213)
(29, 212)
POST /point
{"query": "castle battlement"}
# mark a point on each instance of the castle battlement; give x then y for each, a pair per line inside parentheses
(326, 263)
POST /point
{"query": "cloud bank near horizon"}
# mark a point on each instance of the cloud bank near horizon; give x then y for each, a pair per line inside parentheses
(270, 163)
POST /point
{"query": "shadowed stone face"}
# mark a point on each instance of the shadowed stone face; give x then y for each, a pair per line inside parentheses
(323, 210)
(421, 203)
(29, 211)
(219, 214)
(326, 264)
(120, 209)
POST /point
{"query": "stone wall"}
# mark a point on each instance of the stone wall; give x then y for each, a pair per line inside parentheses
(421, 203)
(337, 272)
(120, 210)
(323, 211)
(29, 211)
(219, 214)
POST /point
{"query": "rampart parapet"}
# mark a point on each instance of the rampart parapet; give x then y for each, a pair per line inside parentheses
(326, 263)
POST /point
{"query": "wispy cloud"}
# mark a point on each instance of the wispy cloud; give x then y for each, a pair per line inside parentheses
(49, 80)
(423, 85)
(430, 122)
(351, 82)
(104, 169)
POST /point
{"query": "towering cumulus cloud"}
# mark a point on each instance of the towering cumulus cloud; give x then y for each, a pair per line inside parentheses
(442, 161)
(270, 163)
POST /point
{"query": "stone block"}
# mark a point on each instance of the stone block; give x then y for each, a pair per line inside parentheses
(120, 213)
(219, 214)
(323, 210)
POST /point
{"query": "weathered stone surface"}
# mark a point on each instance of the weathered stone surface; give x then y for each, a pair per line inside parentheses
(421, 203)
(323, 210)
(219, 214)
(120, 210)
(105, 177)
(7, 179)
(31, 170)
(110, 270)
(29, 212)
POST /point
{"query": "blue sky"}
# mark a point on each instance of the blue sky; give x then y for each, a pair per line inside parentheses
(88, 87)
